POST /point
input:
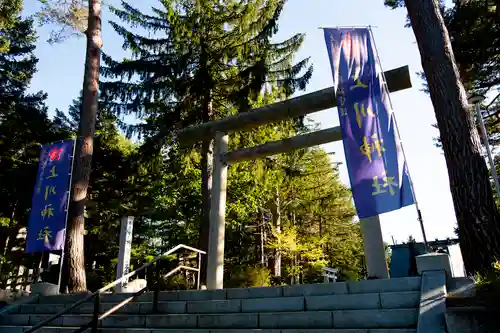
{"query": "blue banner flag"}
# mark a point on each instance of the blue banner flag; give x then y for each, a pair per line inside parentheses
(377, 169)
(47, 223)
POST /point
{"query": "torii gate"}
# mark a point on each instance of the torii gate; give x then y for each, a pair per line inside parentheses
(397, 79)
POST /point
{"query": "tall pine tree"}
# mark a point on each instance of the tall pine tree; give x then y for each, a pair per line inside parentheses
(19, 109)
(475, 207)
(9, 11)
(24, 127)
(213, 55)
(79, 16)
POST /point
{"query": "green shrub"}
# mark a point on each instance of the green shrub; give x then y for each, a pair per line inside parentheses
(488, 285)
(94, 281)
(250, 276)
(177, 282)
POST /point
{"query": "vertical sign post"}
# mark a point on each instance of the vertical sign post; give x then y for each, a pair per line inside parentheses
(377, 168)
(123, 267)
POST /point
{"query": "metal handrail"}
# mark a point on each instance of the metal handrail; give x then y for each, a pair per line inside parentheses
(97, 318)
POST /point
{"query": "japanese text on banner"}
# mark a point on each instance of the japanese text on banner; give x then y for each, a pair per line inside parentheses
(377, 170)
(46, 227)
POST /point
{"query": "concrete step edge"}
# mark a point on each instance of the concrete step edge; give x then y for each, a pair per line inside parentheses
(166, 312)
(202, 314)
(375, 301)
(478, 308)
(388, 293)
(16, 329)
(350, 287)
(354, 319)
(365, 301)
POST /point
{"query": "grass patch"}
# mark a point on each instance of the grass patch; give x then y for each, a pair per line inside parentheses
(488, 285)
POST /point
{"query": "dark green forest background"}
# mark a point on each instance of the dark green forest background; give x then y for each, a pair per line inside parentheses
(291, 206)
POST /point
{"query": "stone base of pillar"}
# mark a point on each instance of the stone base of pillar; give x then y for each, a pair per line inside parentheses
(434, 262)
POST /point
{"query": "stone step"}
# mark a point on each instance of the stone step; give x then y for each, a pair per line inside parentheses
(391, 300)
(460, 287)
(471, 320)
(380, 318)
(20, 329)
(351, 287)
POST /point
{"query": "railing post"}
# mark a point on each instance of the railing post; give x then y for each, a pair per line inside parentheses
(95, 315)
(157, 287)
(199, 272)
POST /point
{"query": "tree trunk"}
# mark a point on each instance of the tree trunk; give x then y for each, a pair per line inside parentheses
(83, 156)
(277, 224)
(4, 234)
(264, 231)
(295, 261)
(262, 227)
(475, 209)
(206, 184)
(321, 236)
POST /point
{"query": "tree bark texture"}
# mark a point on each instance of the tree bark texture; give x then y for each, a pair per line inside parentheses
(475, 209)
(83, 155)
(277, 224)
(262, 229)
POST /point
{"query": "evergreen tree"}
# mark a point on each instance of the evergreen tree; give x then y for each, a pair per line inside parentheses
(214, 55)
(474, 31)
(316, 212)
(117, 188)
(74, 259)
(475, 208)
(24, 127)
(67, 18)
(9, 11)
(19, 109)
(80, 17)
(474, 28)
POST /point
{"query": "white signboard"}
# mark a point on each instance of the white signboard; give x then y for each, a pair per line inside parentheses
(123, 267)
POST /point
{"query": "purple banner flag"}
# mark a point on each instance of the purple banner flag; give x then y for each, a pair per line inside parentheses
(47, 223)
(377, 169)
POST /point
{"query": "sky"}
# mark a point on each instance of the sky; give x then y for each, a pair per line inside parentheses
(60, 75)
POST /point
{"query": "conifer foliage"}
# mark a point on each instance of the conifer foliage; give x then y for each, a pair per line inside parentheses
(24, 127)
(475, 207)
(287, 216)
(206, 58)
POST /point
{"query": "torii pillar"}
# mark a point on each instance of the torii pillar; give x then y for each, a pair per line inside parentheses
(397, 79)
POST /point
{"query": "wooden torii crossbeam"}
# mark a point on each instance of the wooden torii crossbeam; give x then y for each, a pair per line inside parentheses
(397, 79)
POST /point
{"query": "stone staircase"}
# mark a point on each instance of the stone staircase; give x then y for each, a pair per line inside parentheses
(373, 306)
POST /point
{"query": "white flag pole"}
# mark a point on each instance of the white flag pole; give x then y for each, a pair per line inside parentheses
(476, 100)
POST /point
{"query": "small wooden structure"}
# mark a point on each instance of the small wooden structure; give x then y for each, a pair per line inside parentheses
(330, 274)
(397, 79)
